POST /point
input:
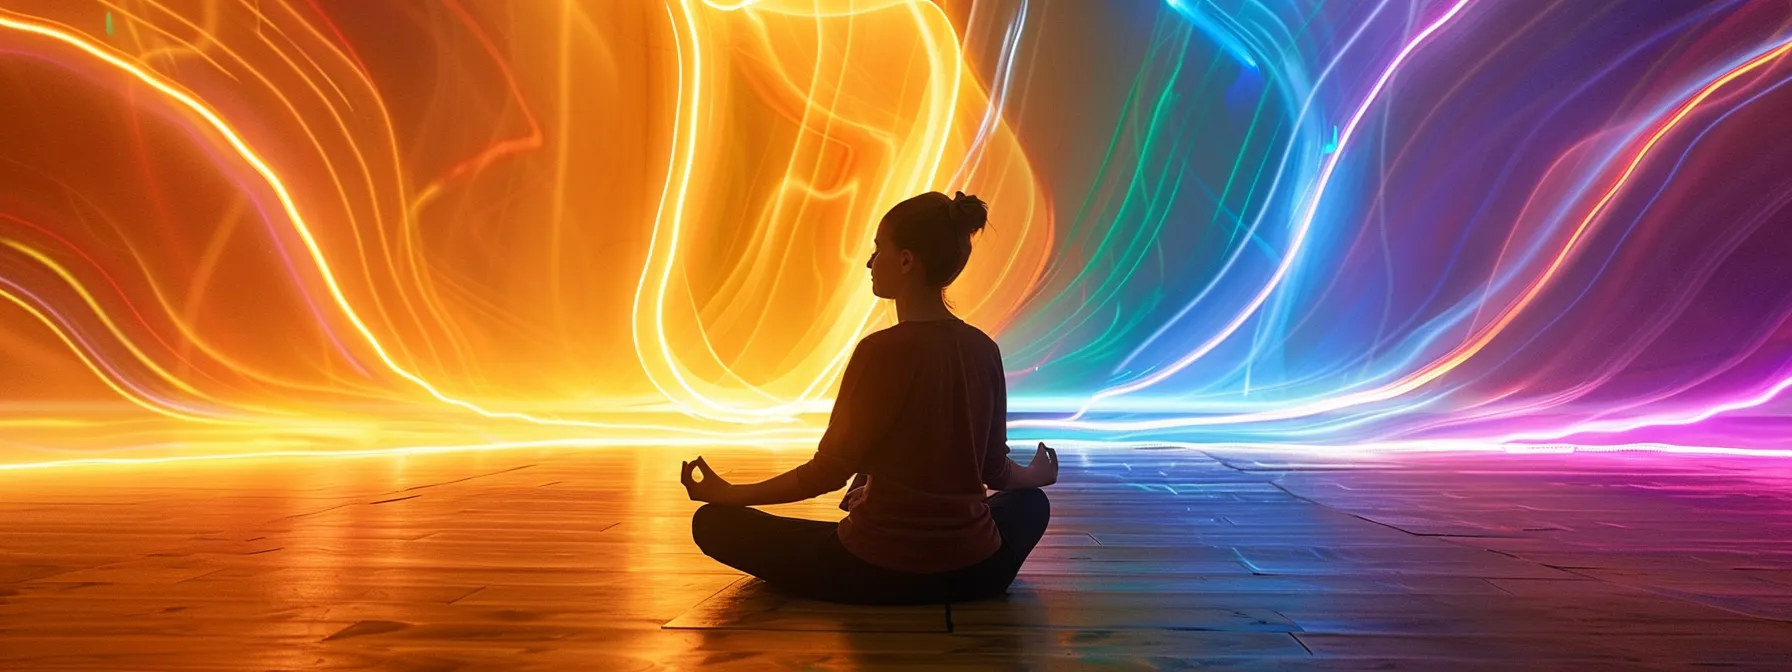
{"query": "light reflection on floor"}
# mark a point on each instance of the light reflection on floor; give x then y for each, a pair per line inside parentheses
(563, 559)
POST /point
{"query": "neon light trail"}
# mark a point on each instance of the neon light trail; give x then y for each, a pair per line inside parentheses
(232, 228)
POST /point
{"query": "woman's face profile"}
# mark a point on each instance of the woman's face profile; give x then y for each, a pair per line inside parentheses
(885, 264)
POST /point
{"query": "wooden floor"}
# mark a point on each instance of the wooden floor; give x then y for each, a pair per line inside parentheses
(1156, 559)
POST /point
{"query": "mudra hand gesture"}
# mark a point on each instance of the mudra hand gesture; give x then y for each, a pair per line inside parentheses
(1043, 470)
(710, 489)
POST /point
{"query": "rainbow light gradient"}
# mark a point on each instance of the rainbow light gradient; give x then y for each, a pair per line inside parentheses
(358, 227)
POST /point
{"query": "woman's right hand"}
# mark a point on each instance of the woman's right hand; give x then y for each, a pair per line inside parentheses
(712, 488)
(1043, 470)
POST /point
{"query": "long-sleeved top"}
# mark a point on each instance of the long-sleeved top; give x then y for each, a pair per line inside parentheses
(922, 411)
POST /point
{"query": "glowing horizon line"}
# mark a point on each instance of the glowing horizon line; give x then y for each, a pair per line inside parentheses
(1392, 448)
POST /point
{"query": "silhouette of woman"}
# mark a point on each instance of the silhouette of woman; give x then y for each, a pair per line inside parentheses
(921, 419)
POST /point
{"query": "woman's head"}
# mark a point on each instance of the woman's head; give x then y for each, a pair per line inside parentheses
(924, 242)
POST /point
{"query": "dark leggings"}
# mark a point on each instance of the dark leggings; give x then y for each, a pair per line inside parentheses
(805, 557)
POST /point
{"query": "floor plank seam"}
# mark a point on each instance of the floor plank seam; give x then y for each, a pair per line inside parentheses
(1303, 645)
(1329, 507)
(475, 591)
(1497, 587)
(460, 480)
(308, 514)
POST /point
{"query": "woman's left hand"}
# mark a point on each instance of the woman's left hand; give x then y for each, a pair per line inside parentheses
(711, 489)
(852, 499)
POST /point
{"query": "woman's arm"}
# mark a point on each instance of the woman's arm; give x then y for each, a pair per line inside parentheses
(999, 471)
(872, 391)
(781, 489)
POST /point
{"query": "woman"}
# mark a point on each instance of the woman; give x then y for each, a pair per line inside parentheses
(922, 420)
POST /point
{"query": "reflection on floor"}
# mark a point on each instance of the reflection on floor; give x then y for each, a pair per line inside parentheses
(1156, 559)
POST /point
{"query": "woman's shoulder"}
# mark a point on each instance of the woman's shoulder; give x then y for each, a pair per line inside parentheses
(881, 340)
(908, 334)
(973, 332)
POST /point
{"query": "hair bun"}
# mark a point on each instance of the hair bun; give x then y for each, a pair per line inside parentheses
(969, 214)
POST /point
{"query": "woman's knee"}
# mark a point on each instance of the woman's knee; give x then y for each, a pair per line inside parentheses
(1022, 516)
(1037, 502)
(1029, 502)
(709, 525)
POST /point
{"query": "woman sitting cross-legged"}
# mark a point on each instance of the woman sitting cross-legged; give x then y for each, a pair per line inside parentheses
(920, 426)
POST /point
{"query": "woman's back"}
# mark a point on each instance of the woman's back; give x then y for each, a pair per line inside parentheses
(938, 387)
(922, 412)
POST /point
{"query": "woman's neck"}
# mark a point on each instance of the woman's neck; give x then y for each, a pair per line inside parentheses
(924, 307)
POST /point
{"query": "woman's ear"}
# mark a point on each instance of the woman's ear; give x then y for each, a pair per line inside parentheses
(908, 261)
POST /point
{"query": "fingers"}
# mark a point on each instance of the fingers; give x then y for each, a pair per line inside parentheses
(708, 474)
(1050, 455)
(690, 469)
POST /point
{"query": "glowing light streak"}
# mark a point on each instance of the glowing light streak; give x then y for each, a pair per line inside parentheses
(132, 396)
(290, 209)
(1405, 299)
(1301, 228)
(1486, 334)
